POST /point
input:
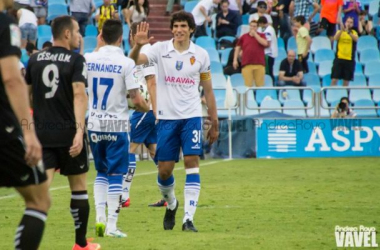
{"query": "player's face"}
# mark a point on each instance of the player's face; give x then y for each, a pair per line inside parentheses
(181, 31)
(75, 36)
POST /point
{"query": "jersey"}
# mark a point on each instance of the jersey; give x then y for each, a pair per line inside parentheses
(178, 78)
(51, 74)
(10, 40)
(110, 76)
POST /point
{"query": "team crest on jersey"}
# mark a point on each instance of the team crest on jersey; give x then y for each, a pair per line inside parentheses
(15, 35)
(192, 60)
(178, 65)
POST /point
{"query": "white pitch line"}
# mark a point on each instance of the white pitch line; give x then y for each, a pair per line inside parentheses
(91, 183)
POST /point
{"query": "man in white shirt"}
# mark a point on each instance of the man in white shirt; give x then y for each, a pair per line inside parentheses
(110, 77)
(201, 13)
(261, 11)
(271, 51)
(182, 68)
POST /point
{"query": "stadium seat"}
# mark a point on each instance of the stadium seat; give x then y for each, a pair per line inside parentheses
(370, 112)
(280, 43)
(291, 94)
(245, 19)
(312, 67)
(44, 31)
(333, 95)
(366, 42)
(261, 94)
(125, 32)
(292, 45)
(307, 95)
(376, 95)
(91, 30)
(242, 29)
(324, 68)
(98, 3)
(294, 104)
(228, 38)
(42, 40)
(276, 68)
(205, 42)
(218, 80)
(320, 42)
(374, 80)
(358, 68)
(359, 81)
(274, 105)
(371, 68)
(323, 55)
(311, 79)
(216, 67)
(369, 55)
(359, 94)
(373, 8)
(323, 111)
(224, 54)
(51, 2)
(214, 55)
(268, 81)
(24, 57)
(56, 10)
(220, 96)
(237, 80)
(190, 5)
(90, 42)
(326, 80)
(281, 54)
(251, 104)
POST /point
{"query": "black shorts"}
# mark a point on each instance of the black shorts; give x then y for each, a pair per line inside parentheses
(59, 158)
(343, 69)
(14, 172)
(329, 27)
(303, 61)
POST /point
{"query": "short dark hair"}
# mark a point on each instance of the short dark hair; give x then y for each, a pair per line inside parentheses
(224, 1)
(300, 19)
(112, 30)
(344, 98)
(183, 16)
(350, 17)
(47, 45)
(30, 47)
(262, 3)
(262, 20)
(60, 24)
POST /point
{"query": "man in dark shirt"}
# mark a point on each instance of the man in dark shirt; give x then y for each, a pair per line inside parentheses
(58, 79)
(226, 21)
(20, 151)
(291, 73)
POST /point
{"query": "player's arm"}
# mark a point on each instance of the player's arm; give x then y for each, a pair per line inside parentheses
(80, 107)
(205, 82)
(141, 38)
(17, 93)
(138, 101)
(151, 83)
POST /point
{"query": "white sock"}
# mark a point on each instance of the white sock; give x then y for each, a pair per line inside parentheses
(113, 200)
(167, 190)
(127, 178)
(100, 196)
(192, 191)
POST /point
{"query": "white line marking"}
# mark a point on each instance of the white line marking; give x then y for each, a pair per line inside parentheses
(91, 183)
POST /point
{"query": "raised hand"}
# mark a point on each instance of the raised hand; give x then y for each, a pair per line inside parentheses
(141, 37)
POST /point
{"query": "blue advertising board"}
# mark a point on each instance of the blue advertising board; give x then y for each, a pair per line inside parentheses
(317, 138)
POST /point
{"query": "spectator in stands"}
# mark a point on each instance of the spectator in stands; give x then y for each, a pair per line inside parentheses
(303, 41)
(30, 49)
(271, 51)
(252, 45)
(261, 11)
(344, 62)
(81, 10)
(229, 68)
(302, 8)
(40, 9)
(47, 45)
(352, 9)
(291, 72)
(227, 21)
(27, 21)
(236, 6)
(273, 10)
(18, 4)
(330, 16)
(365, 27)
(138, 12)
(285, 26)
(201, 13)
(105, 12)
(342, 110)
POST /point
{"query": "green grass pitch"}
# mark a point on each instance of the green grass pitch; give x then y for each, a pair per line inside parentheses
(244, 204)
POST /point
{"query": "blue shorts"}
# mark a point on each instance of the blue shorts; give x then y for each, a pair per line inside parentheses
(110, 151)
(143, 128)
(175, 134)
(29, 32)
